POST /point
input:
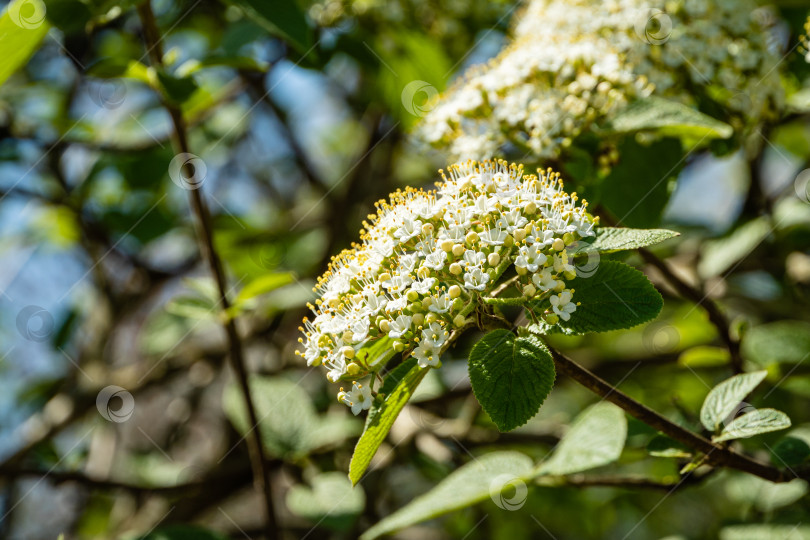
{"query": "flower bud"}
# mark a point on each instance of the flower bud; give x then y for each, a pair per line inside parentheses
(552, 318)
(384, 276)
(558, 244)
(427, 302)
(530, 208)
(446, 245)
(385, 326)
(427, 229)
(418, 319)
(353, 369)
(454, 291)
(347, 336)
(459, 321)
(508, 241)
(529, 291)
(521, 270)
(423, 272)
(560, 286)
(455, 269)
(519, 235)
(471, 238)
(493, 259)
(458, 250)
(347, 351)
(399, 346)
(431, 318)
(568, 238)
(412, 295)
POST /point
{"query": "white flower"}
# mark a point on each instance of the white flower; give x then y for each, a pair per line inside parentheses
(473, 259)
(426, 356)
(358, 398)
(436, 259)
(493, 237)
(476, 279)
(434, 335)
(441, 304)
(423, 286)
(562, 305)
(400, 326)
(544, 280)
(409, 229)
(530, 257)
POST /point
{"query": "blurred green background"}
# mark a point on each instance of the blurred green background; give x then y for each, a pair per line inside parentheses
(296, 114)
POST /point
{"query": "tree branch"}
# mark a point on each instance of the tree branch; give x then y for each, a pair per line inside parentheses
(259, 463)
(715, 454)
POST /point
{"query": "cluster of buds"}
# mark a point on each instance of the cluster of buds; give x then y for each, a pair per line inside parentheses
(427, 259)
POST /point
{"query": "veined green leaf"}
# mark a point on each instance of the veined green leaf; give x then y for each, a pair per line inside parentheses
(719, 255)
(264, 284)
(765, 532)
(511, 377)
(724, 398)
(754, 423)
(380, 421)
(615, 296)
(595, 439)
(611, 239)
(490, 475)
(668, 118)
(775, 343)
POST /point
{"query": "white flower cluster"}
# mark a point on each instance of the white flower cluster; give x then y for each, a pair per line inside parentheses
(427, 258)
(574, 63)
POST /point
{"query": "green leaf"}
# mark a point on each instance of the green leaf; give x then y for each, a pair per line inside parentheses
(491, 475)
(264, 284)
(331, 501)
(790, 451)
(176, 89)
(663, 446)
(282, 18)
(22, 28)
(616, 296)
(290, 426)
(724, 398)
(377, 353)
(182, 532)
(717, 256)
(748, 490)
(380, 421)
(611, 239)
(669, 118)
(511, 377)
(754, 423)
(785, 342)
(192, 307)
(595, 439)
(637, 188)
(118, 67)
(765, 532)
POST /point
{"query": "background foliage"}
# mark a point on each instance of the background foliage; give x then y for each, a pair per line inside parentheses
(299, 116)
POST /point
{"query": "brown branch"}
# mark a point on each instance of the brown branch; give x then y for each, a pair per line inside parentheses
(259, 462)
(715, 454)
(716, 316)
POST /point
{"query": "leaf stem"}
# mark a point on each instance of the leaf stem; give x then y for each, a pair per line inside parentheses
(260, 466)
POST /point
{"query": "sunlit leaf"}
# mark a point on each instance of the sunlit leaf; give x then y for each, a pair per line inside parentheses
(724, 398)
(22, 28)
(754, 423)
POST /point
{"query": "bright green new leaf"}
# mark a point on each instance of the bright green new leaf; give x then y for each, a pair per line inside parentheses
(331, 501)
(377, 353)
(282, 18)
(116, 67)
(494, 475)
(264, 284)
(615, 296)
(611, 239)
(595, 439)
(765, 532)
(719, 255)
(754, 423)
(511, 377)
(669, 118)
(724, 398)
(22, 28)
(779, 342)
(381, 418)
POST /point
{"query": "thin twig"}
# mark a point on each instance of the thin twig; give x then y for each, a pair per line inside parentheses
(205, 235)
(715, 454)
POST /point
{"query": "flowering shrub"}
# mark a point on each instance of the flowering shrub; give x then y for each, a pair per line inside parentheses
(574, 65)
(426, 259)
